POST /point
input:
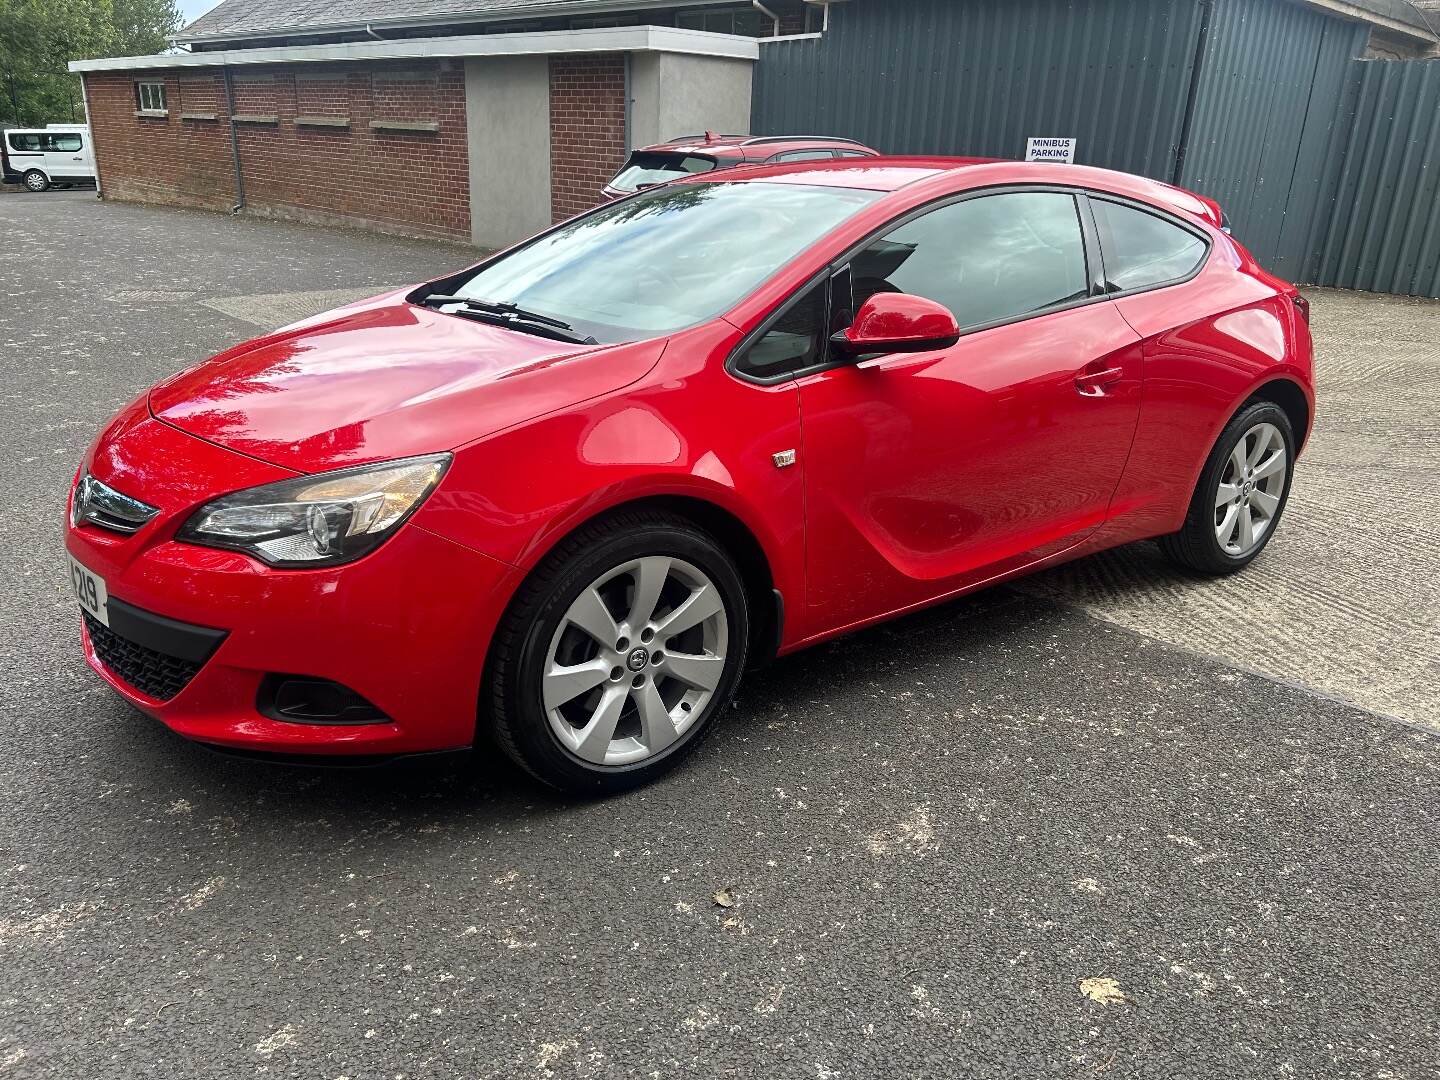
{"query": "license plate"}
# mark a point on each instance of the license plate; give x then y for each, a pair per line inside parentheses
(90, 591)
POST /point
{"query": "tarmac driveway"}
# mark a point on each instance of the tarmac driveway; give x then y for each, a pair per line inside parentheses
(1045, 831)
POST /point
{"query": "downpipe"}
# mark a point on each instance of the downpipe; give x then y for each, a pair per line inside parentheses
(769, 15)
(234, 143)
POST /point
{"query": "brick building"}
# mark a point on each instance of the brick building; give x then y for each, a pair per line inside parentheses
(485, 122)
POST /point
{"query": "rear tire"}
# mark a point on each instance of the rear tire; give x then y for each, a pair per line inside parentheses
(1241, 495)
(586, 689)
(35, 180)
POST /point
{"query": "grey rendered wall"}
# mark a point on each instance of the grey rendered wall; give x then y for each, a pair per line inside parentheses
(507, 109)
(672, 94)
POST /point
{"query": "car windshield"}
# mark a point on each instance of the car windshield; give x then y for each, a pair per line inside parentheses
(648, 169)
(665, 259)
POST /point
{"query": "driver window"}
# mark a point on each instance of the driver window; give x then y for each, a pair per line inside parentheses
(989, 259)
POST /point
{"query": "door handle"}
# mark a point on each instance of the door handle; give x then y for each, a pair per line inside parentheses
(1093, 383)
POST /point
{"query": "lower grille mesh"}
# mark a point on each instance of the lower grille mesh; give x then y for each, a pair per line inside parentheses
(155, 674)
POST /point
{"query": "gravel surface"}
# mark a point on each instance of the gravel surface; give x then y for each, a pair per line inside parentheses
(1005, 838)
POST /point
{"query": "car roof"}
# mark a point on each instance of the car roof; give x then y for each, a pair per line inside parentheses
(890, 174)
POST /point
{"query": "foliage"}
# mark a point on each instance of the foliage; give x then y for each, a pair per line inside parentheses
(38, 38)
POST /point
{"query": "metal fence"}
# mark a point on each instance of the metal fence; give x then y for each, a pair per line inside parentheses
(1327, 165)
(1382, 213)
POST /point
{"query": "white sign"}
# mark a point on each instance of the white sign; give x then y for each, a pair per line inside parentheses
(1061, 150)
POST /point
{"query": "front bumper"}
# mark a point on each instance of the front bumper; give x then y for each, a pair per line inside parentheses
(407, 627)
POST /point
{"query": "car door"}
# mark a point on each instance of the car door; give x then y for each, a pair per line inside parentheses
(64, 155)
(929, 473)
(24, 151)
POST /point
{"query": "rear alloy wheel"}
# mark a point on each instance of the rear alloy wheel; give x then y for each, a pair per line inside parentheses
(619, 653)
(1247, 498)
(1241, 495)
(35, 180)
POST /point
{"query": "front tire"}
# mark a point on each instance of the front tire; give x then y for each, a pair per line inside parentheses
(35, 180)
(619, 654)
(1241, 495)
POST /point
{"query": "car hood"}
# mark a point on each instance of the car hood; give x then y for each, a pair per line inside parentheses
(385, 379)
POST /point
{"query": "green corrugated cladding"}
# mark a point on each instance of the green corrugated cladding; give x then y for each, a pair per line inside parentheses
(978, 76)
(1268, 68)
(1384, 217)
(1327, 165)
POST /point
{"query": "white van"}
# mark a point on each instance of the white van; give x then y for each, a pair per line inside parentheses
(39, 157)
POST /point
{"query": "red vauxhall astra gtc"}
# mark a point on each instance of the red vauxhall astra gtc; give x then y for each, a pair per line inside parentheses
(570, 493)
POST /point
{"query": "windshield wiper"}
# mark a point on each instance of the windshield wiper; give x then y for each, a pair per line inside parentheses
(503, 313)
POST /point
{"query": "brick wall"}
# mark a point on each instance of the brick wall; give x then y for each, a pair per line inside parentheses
(587, 129)
(379, 144)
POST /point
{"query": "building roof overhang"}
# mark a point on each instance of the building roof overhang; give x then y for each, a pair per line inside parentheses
(617, 39)
(460, 12)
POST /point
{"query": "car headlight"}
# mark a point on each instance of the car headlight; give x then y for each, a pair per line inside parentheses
(317, 520)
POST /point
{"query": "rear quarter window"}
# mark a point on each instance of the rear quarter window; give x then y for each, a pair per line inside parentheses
(1144, 250)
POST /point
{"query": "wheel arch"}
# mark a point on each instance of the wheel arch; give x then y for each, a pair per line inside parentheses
(1292, 400)
(732, 532)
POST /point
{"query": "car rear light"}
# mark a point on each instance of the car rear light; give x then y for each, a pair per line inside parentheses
(1304, 306)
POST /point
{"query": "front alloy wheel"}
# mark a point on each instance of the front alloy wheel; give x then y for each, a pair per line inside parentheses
(618, 654)
(621, 691)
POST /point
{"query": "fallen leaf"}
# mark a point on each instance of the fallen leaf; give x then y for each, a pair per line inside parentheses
(1102, 991)
(724, 897)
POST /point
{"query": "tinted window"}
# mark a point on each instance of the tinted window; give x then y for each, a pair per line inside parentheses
(805, 155)
(794, 341)
(664, 259)
(647, 170)
(987, 259)
(1143, 250)
(745, 22)
(44, 141)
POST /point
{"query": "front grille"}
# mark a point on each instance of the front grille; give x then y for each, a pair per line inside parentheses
(155, 674)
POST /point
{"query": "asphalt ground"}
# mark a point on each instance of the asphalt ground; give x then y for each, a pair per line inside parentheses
(1038, 832)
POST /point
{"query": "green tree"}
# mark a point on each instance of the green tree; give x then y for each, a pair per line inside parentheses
(38, 38)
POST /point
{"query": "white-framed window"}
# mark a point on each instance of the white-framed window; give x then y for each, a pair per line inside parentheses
(150, 95)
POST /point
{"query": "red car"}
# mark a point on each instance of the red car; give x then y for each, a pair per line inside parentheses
(570, 493)
(688, 155)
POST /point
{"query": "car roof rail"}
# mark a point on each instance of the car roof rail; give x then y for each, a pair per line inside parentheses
(799, 138)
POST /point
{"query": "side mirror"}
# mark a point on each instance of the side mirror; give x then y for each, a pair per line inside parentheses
(898, 322)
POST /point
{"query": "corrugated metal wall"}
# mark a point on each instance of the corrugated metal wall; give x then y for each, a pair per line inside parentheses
(1384, 215)
(1268, 67)
(1327, 165)
(980, 76)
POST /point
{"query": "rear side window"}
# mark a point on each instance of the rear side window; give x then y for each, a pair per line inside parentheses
(647, 170)
(1144, 250)
(991, 259)
(43, 141)
(805, 155)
